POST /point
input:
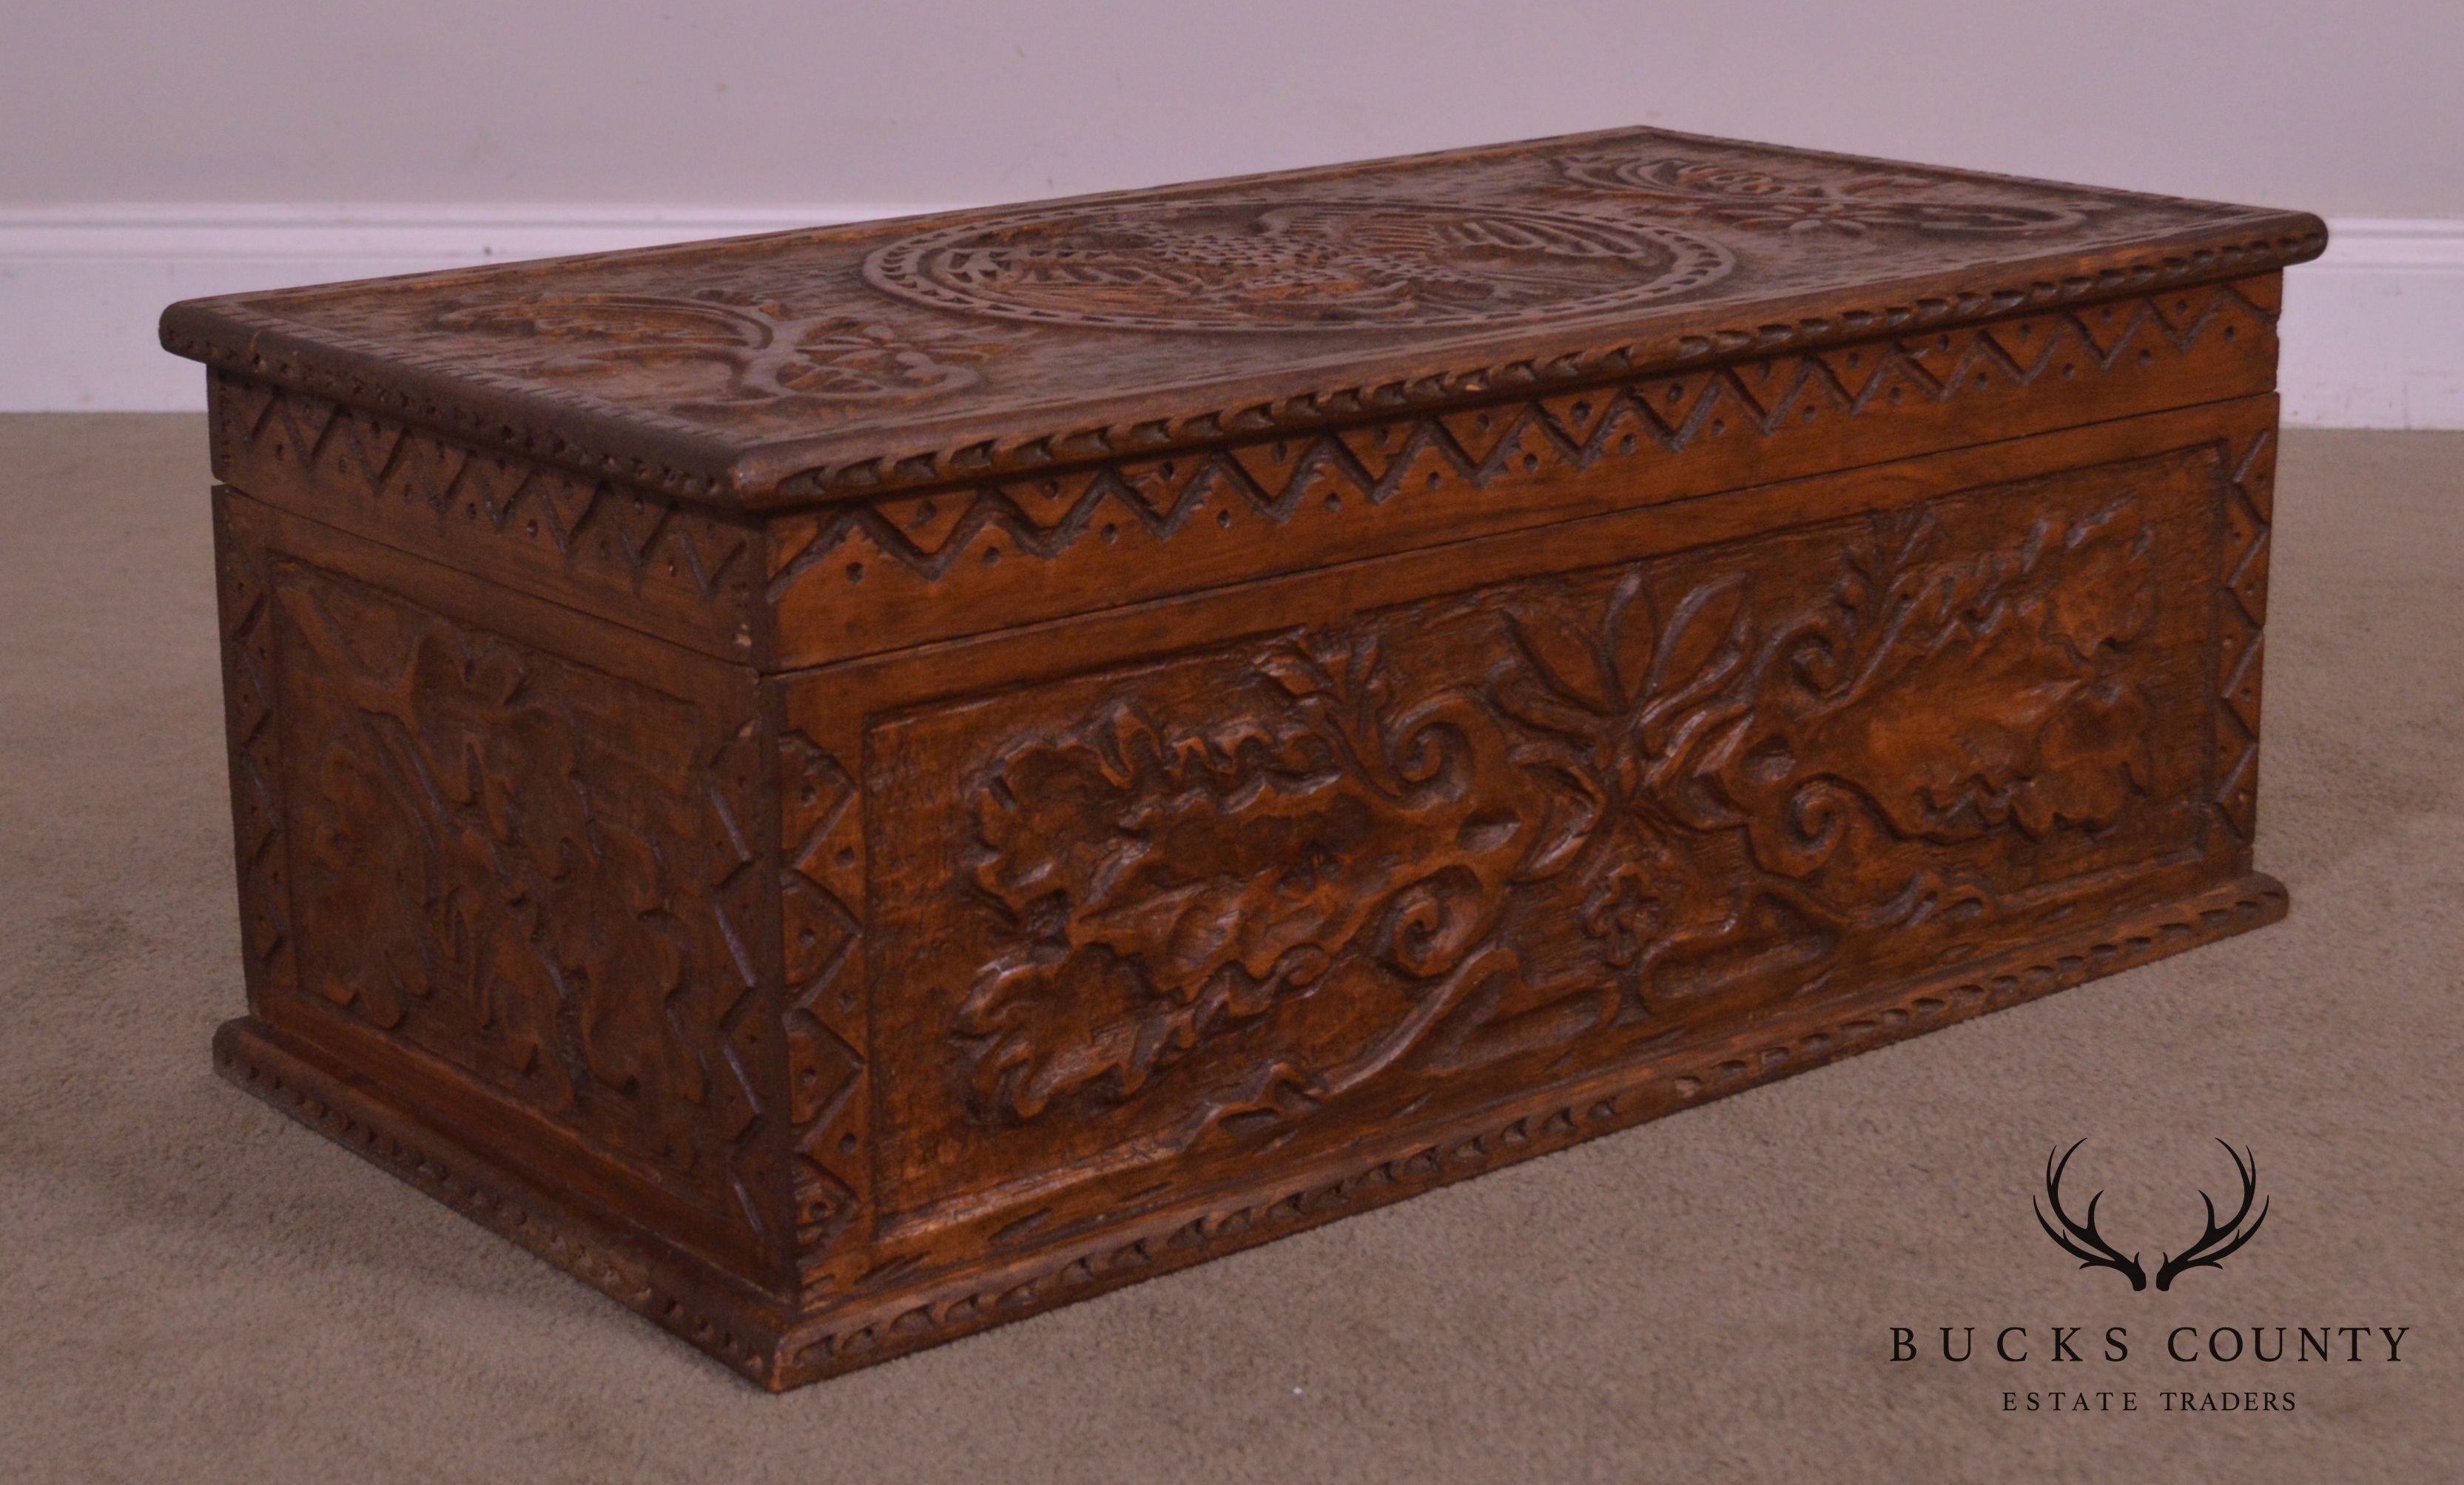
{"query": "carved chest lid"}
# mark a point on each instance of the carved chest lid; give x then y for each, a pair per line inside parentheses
(837, 362)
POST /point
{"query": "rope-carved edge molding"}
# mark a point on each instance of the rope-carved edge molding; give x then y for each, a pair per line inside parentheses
(328, 1106)
(698, 463)
(1616, 1103)
(780, 1356)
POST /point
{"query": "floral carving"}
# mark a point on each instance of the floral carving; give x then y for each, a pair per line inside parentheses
(1930, 699)
(753, 348)
(1230, 870)
(1851, 207)
(1677, 790)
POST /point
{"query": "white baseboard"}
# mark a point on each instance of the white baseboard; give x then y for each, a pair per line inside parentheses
(2374, 332)
(2371, 331)
(81, 288)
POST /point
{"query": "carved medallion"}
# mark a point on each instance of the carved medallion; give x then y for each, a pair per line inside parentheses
(1849, 206)
(1222, 265)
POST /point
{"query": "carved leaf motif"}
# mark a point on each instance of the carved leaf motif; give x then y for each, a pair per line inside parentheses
(1705, 638)
(1296, 670)
(1633, 635)
(488, 867)
(1575, 807)
(1234, 871)
(1539, 704)
(1669, 787)
(1562, 656)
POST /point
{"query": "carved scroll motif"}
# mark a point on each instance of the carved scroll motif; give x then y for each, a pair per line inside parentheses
(751, 348)
(1849, 205)
(1686, 786)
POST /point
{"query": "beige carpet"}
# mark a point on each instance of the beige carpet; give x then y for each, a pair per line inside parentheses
(192, 1288)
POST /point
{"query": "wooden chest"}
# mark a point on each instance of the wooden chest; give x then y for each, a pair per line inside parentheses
(853, 785)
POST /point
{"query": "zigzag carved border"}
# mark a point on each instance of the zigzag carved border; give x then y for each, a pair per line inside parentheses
(651, 562)
(2241, 623)
(244, 592)
(821, 892)
(695, 578)
(1376, 487)
(1955, 305)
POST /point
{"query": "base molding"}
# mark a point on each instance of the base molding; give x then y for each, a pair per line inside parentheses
(738, 1331)
(779, 1348)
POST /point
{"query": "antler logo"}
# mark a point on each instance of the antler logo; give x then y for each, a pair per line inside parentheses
(2083, 1241)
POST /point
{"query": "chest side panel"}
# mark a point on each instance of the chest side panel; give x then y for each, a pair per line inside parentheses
(510, 862)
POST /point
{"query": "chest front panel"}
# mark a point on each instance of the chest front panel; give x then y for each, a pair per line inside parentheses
(1119, 919)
